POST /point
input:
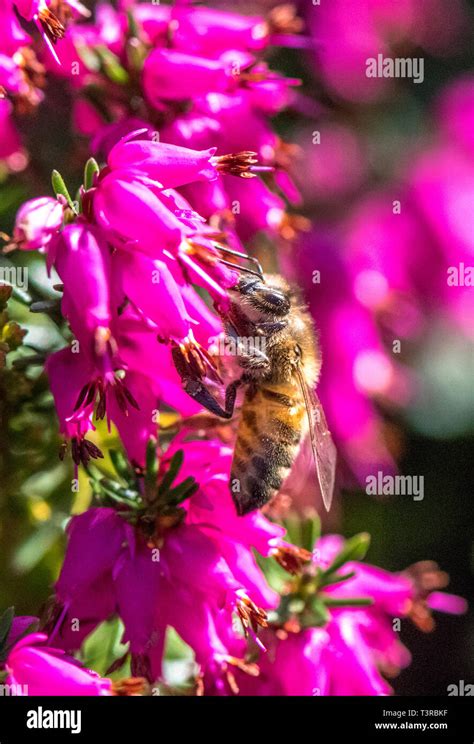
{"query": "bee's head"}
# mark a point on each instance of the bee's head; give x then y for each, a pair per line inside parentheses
(263, 300)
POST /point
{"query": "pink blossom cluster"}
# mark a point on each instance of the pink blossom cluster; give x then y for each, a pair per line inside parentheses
(386, 271)
(194, 77)
(22, 73)
(176, 101)
(205, 575)
(351, 32)
(127, 261)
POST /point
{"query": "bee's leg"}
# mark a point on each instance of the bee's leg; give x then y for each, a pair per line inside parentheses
(204, 397)
(230, 396)
(271, 327)
(248, 354)
(197, 390)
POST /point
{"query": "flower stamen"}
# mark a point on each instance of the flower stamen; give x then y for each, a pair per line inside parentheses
(241, 164)
(52, 26)
(251, 616)
(129, 687)
(291, 558)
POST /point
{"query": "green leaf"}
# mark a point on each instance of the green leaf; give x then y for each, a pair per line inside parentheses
(184, 491)
(346, 601)
(316, 615)
(335, 578)
(133, 29)
(88, 56)
(60, 188)
(103, 647)
(118, 493)
(173, 470)
(111, 66)
(91, 169)
(6, 620)
(121, 465)
(310, 531)
(151, 469)
(354, 549)
(292, 525)
(151, 458)
(175, 647)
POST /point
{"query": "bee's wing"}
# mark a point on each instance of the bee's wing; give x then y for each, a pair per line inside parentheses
(322, 445)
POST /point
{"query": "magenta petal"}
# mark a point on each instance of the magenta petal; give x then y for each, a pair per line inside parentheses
(135, 213)
(171, 165)
(96, 538)
(449, 603)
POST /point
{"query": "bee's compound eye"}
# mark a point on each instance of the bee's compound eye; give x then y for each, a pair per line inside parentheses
(298, 351)
(277, 299)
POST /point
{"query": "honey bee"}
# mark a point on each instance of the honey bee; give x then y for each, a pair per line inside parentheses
(277, 349)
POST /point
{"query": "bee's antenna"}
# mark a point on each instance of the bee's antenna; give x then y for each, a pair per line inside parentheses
(241, 268)
(245, 257)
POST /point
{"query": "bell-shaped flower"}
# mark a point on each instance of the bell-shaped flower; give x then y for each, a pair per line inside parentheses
(41, 670)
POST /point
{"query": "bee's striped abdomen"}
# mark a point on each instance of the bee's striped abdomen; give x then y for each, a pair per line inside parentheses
(272, 424)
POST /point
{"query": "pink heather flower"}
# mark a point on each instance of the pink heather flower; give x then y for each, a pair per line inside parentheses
(105, 534)
(68, 374)
(150, 286)
(210, 32)
(10, 143)
(173, 75)
(349, 32)
(19, 626)
(392, 594)
(455, 110)
(358, 645)
(154, 22)
(205, 563)
(231, 122)
(135, 429)
(137, 214)
(333, 169)
(170, 165)
(13, 36)
(331, 661)
(109, 135)
(82, 261)
(47, 671)
(260, 210)
(356, 369)
(395, 271)
(50, 27)
(11, 78)
(37, 222)
(449, 603)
